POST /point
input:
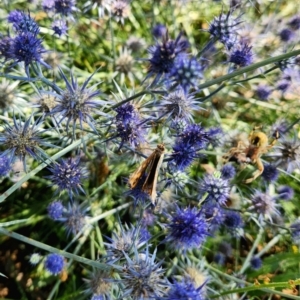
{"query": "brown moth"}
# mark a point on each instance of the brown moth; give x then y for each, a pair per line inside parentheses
(152, 165)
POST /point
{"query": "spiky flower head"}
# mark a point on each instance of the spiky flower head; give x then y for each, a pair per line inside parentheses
(228, 172)
(256, 262)
(270, 173)
(129, 125)
(294, 22)
(142, 277)
(124, 62)
(59, 27)
(48, 5)
(68, 175)
(76, 104)
(285, 192)
(187, 228)
(55, 210)
(135, 44)
(286, 35)
(263, 92)
(233, 222)
(120, 9)
(65, 7)
(186, 290)
(26, 47)
(192, 139)
(22, 139)
(186, 72)
(179, 104)
(75, 218)
(241, 55)
(54, 263)
(5, 47)
(123, 242)
(22, 22)
(99, 284)
(264, 205)
(163, 55)
(288, 154)
(214, 188)
(224, 28)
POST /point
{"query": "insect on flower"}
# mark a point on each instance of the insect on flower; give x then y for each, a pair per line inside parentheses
(152, 165)
(250, 153)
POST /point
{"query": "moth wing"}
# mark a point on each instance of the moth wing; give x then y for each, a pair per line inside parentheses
(136, 175)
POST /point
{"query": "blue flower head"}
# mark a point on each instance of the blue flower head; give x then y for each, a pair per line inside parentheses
(59, 27)
(286, 35)
(256, 263)
(26, 47)
(5, 165)
(142, 277)
(76, 104)
(65, 7)
(23, 22)
(295, 232)
(55, 210)
(186, 72)
(233, 222)
(285, 192)
(241, 55)
(75, 218)
(214, 188)
(22, 139)
(129, 125)
(263, 92)
(163, 55)
(270, 173)
(187, 229)
(5, 47)
(54, 263)
(224, 28)
(186, 290)
(68, 175)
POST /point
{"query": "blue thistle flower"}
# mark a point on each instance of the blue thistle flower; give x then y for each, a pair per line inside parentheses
(159, 30)
(295, 232)
(294, 22)
(270, 173)
(179, 105)
(241, 55)
(27, 48)
(6, 43)
(186, 72)
(99, 284)
(59, 27)
(215, 189)
(124, 242)
(48, 5)
(228, 172)
(23, 22)
(256, 263)
(65, 7)
(224, 28)
(74, 218)
(187, 228)
(163, 56)
(142, 277)
(233, 222)
(263, 92)
(187, 145)
(288, 154)
(5, 165)
(68, 175)
(54, 263)
(129, 125)
(286, 35)
(55, 210)
(285, 192)
(186, 290)
(22, 139)
(76, 103)
(264, 205)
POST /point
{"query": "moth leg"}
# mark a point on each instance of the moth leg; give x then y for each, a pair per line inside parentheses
(260, 169)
